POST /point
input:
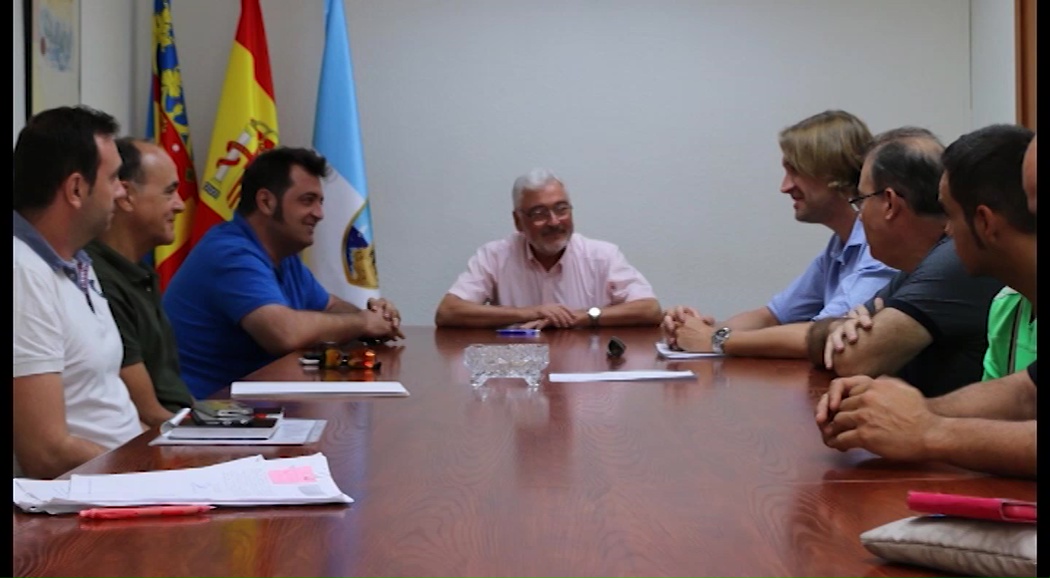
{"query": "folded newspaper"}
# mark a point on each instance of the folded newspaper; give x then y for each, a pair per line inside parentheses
(251, 481)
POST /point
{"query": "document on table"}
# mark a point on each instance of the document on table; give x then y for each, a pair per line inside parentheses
(642, 375)
(666, 352)
(290, 432)
(378, 388)
(251, 481)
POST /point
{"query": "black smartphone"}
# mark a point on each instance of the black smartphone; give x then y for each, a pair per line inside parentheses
(204, 418)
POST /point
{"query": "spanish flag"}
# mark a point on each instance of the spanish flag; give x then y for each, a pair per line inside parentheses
(245, 124)
(168, 126)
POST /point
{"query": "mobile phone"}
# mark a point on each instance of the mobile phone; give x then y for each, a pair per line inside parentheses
(222, 408)
(201, 418)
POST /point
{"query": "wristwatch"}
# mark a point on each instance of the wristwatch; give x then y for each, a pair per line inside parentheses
(593, 314)
(718, 339)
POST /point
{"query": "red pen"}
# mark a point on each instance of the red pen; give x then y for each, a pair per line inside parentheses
(140, 512)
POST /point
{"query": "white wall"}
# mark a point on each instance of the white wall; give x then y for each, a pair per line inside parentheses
(994, 62)
(660, 116)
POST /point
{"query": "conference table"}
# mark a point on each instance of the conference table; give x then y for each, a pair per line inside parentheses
(721, 475)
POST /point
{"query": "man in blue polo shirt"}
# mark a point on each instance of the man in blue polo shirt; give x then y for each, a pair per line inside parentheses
(243, 297)
(822, 158)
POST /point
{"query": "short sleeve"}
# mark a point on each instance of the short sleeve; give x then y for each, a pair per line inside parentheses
(478, 283)
(243, 284)
(625, 283)
(856, 288)
(803, 299)
(38, 323)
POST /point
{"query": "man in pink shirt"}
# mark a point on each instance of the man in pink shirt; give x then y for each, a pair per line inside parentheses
(545, 275)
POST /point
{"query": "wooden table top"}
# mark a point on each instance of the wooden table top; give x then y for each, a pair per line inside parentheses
(723, 475)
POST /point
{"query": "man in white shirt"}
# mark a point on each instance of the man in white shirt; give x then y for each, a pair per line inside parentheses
(70, 404)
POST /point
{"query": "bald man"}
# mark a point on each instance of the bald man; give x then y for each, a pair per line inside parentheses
(988, 426)
(142, 221)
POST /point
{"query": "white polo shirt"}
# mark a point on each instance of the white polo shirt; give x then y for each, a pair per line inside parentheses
(57, 331)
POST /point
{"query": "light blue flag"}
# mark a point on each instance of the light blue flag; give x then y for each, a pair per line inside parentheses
(343, 255)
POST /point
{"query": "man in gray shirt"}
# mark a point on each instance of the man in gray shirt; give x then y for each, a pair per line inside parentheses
(928, 325)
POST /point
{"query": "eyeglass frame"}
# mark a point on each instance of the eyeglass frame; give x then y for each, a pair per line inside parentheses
(541, 213)
(857, 201)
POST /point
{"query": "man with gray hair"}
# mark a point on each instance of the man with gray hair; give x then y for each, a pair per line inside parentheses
(545, 275)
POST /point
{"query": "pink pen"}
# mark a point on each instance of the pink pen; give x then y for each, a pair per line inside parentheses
(140, 512)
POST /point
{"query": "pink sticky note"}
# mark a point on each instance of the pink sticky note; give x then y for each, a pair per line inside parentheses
(293, 475)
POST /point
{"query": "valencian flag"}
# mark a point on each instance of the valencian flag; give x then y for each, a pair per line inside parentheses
(168, 126)
(245, 124)
(343, 255)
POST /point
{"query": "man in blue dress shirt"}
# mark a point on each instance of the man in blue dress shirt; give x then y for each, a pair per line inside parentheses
(822, 158)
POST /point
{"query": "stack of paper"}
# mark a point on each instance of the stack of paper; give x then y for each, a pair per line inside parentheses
(251, 481)
(377, 388)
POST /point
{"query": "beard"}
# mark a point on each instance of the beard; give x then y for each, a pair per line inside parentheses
(551, 241)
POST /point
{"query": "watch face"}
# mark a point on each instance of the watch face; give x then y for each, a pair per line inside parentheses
(594, 312)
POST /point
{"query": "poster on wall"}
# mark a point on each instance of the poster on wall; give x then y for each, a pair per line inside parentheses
(53, 54)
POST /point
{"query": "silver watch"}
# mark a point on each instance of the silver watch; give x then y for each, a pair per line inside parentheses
(718, 339)
(593, 314)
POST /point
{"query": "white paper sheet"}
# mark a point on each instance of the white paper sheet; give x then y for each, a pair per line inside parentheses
(666, 352)
(250, 481)
(642, 375)
(383, 388)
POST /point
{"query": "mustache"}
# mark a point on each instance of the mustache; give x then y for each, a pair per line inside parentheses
(554, 230)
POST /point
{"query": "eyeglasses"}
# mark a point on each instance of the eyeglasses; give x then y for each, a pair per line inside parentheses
(858, 200)
(542, 214)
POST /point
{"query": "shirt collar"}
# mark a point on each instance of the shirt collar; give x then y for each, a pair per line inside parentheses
(241, 223)
(856, 235)
(140, 273)
(857, 239)
(28, 234)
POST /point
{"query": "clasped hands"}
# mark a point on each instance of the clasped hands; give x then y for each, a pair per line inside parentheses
(847, 332)
(686, 329)
(885, 416)
(383, 320)
(554, 315)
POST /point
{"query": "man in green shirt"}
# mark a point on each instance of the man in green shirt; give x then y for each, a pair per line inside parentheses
(143, 220)
(1011, 334)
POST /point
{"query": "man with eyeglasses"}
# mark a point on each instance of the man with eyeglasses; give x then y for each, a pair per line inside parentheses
(545, 275)
(990, 425)
(822, 157)
(929, 324)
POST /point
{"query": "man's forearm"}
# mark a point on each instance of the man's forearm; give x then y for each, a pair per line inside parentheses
(140, 386)
(999, 447)
(456, 312)
(759, 318)
(53, 461)
(817, 337)
(1011, 397)
(781, 341)
(637, 312)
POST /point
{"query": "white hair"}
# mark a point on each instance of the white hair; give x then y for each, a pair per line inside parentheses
(533, 180)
